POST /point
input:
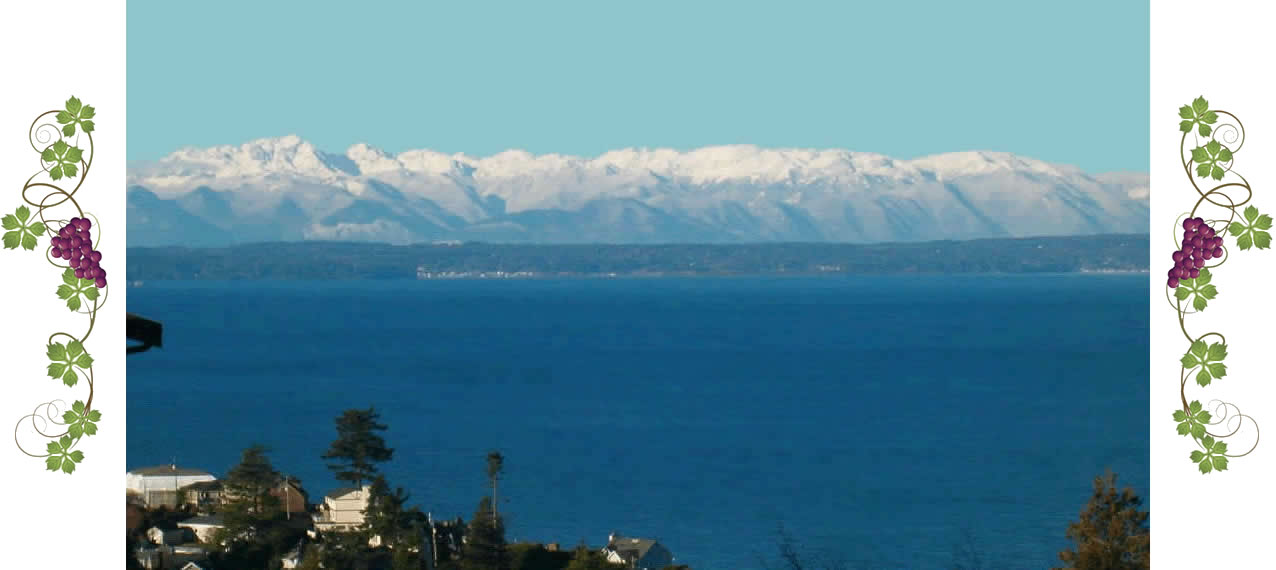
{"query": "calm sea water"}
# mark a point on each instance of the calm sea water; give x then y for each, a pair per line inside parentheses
(879, 419)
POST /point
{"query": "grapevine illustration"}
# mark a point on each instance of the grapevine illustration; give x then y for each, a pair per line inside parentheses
(63, 140)
(1216, 138)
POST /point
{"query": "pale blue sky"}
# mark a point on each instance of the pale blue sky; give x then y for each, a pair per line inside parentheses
(1060, 81)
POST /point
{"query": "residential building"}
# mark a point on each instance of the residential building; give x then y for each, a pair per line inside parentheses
(157, 486)
(637, 553)
(168, 537)
(342, 509)
(292, 498)
(204, 527)
(203, 496)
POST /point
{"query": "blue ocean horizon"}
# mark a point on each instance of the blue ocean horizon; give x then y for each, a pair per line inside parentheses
(881, 419)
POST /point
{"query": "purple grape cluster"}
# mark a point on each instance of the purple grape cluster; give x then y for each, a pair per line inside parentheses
(1199, 245)
(74, 244)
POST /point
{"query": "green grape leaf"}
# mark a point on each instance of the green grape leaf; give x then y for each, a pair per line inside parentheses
(74, 288)
(1197, 114)
(1211, 158)
(1205, 466)
(24, 227)
(1220, 463)
(1199, 288)
(1262, 240)
(1213, 458)
(61, 456)
(80, 423)
(1252, 233)
(1245, 242)
(1208, 358)
(1192, 421)
(64, 359)
(76, 113)
(1199, 105)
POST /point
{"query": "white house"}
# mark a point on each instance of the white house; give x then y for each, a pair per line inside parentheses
(167, 537)
(342, 509)
(292, 559)
(204, 527)
(157, 486)
(637, 553)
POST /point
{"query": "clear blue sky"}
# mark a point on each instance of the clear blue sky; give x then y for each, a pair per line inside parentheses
(1060, 81)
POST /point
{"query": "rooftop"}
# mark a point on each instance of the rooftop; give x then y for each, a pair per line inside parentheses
(625, 545)
(168, 470)
(208, 520)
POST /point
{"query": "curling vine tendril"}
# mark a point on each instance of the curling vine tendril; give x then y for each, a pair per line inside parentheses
(63, 141)
(1216, 138)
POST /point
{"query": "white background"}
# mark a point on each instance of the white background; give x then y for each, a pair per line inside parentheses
(54, 520)
(1221, 50)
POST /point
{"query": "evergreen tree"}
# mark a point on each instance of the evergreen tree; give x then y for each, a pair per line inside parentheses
(251, 481)
(358, 448)
(485, 546)
(1112, 533)
(388, 516)
(495, 465)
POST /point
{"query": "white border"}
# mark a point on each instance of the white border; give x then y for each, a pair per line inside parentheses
(53, 51)
(1219, 520)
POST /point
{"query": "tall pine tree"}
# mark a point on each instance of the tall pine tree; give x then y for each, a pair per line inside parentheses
(1112, 533)
(249, 484)
(495, 466)
(485, 540)
(354, 455)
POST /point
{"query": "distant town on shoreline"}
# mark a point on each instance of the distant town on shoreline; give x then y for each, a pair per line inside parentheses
(1112, 253)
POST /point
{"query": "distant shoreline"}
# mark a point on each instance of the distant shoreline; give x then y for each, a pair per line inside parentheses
(1123, 253)
(641, 277)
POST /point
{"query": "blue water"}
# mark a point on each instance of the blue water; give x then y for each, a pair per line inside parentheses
(879, 419)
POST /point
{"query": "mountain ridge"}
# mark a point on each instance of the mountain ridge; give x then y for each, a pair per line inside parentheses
(730, 193)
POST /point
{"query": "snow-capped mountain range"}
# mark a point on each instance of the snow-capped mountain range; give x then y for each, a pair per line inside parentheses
(284, 189)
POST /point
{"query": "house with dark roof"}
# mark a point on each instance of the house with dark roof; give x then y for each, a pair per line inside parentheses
(637, 553)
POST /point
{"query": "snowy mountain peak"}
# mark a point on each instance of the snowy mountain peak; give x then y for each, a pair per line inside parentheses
(737, 192)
